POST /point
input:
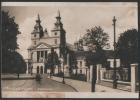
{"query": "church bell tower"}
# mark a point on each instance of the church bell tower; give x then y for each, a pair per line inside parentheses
(37, 32)
(59, 31)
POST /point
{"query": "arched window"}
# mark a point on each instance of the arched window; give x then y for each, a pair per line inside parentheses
(80, 63)
(55, 33)
(37, 69)
(80, 71)
(41, 69)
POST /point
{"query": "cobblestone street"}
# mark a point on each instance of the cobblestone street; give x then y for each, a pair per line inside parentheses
(46, 84)
(53, 88)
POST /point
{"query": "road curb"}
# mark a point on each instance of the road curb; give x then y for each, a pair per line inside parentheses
(117, 88)
(27, 78)
(65, 84)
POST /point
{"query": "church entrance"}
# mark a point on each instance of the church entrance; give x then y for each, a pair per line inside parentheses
(41, 70)
(37, 69)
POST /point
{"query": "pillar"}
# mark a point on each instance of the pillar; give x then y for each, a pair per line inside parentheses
(102, 73)
(43, 68)
(91, 68)
(56, 69)
(98, 73)
(61, 67)
(27, 72)
(39, 56)
(134, 77)
(88, 75)
(44, 56)
(68, 63)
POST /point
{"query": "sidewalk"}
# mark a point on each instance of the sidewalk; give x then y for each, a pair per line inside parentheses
(14, 76)
(82, 86)
(123, 87)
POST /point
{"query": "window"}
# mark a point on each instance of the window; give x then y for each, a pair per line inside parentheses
(55, 41)
(45, 54)
(80, 63)
(37, 69)
(41, 53)
(55, 33)
(80, 71)
(34, 42)
(34, 35)
(41, 70)
(38, 55)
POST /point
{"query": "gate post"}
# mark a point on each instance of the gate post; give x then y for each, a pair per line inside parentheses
(88, 75)
(134, 77)
(91, 68)
(98, 73)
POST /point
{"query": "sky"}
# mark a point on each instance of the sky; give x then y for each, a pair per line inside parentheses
(76, 18)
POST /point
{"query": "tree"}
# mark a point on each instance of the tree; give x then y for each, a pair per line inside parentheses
(127, 47)
(9, 45)
(96, 39)
(9, 32)
(52, 60)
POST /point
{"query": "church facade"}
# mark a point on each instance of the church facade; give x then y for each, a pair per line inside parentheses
(42, 44)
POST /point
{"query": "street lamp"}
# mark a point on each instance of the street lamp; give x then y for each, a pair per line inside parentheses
(62, 62)
(93, 78)
(92, 57)
(114, 76)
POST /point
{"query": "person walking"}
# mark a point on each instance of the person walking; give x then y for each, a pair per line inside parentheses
(38, 78)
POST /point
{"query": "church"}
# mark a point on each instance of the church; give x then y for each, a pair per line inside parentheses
(71, 58)
(42, 44)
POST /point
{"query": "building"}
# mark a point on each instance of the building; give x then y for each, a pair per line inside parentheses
(83, 56)
(42, 44)
(110, 59)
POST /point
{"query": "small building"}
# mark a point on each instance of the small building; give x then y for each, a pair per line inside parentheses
(84, 57)
(110, 59)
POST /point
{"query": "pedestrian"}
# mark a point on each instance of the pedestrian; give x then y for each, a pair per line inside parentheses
(18, 75)
(38, 78)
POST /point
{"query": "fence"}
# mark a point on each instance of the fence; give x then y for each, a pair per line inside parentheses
(122, 74)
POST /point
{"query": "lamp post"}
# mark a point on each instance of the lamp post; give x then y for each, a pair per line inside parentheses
(62, 62)
(93, 52)
(93, 78)
(63, 75)
(114, 76)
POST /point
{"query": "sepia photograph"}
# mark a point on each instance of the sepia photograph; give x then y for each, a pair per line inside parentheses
(69, 50)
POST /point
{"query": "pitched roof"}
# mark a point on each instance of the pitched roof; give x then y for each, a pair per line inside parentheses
(109, 54)
(83, 54)
(87, 54)
(34, 47)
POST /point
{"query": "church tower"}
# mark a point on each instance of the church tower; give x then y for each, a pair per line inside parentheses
(37, 32)
(43, 43)
(59, 31)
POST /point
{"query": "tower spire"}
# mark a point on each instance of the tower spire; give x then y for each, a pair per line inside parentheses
(38, 29)
(58, 13)
(58, 17)
(58, 24)
(38, 19)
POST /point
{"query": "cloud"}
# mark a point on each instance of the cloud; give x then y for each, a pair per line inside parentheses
(76, 18)
(24, 39)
